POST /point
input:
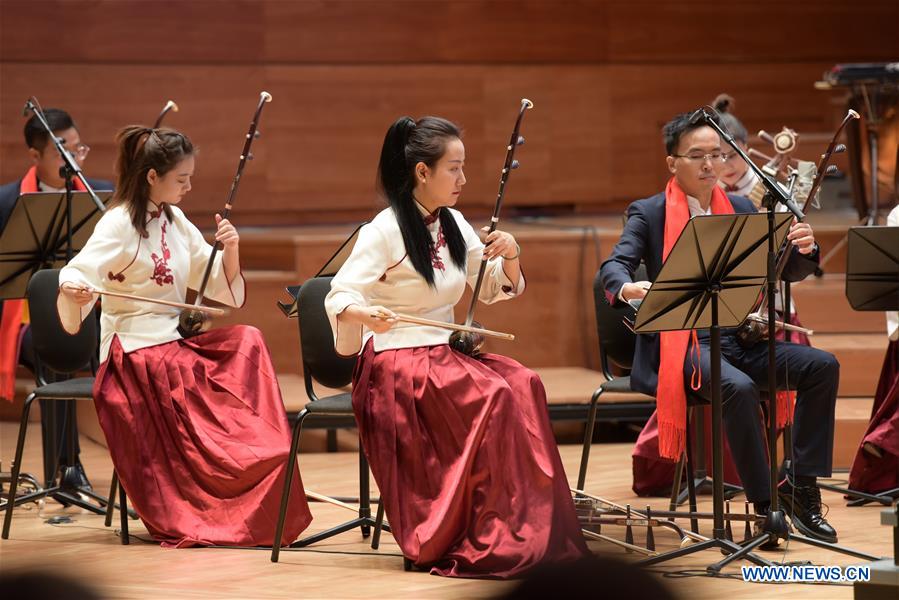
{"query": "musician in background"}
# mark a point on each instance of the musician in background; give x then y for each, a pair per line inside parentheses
(15, 333)
(876, 465)
(662, 363)
(196, 427)
(736, 177)
(461, 446)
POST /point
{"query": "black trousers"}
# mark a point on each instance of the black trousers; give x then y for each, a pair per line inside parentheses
(812, 373)
(58, 443)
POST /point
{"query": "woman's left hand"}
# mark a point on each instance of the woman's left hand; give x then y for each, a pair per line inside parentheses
(226, 232)
(499, 243)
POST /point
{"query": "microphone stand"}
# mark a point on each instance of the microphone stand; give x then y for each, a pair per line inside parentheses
(70, 490)
(775, 525)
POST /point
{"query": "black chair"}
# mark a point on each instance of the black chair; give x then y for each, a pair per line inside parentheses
(616, 347)
(58, 352)
(321, 363)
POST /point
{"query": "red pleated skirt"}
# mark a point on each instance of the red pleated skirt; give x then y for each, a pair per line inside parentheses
(466, 461)
(199, 438)
(870, 473)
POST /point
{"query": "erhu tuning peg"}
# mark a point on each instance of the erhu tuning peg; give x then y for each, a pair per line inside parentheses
(831, 170)
(514, 164)
(839, 148)
(764, 135)
(257, 134)
(520, 140)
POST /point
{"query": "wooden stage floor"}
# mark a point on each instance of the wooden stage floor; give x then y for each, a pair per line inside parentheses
(345, 567)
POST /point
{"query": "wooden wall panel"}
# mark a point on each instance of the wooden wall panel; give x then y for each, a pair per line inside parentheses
(469, 31)
(698, 31)
(604, 75)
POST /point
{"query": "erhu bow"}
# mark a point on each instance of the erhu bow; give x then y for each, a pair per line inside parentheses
(192, 322)
(466, 341)
(755, 327)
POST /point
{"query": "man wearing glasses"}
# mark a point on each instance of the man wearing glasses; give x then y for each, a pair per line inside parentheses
(15, 335)
(664, 364)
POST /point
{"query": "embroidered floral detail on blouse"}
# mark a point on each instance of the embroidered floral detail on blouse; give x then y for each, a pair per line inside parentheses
(162, 274)
(435, 251)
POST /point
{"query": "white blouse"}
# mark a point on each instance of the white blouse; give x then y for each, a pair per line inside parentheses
(379, 273)
(171, 259)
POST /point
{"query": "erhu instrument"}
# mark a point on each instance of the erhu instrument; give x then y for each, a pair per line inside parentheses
(755, 328)
(469, 342)
(169, 106)
(193, 321)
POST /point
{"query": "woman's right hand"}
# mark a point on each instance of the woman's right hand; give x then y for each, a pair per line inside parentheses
(78, 294)
(376, 318)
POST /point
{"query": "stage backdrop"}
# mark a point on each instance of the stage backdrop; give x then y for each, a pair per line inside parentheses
(604, 76)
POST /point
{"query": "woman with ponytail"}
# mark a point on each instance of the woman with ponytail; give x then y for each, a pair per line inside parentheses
(736, 177)
(461, 447)
(196, 427)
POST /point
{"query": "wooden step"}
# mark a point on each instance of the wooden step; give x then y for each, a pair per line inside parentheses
(860, 355)
(822, 305)
(851, 422)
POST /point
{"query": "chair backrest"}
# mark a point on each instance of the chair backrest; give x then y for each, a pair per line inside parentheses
(320, 360)
(53, 346)
(616, 340)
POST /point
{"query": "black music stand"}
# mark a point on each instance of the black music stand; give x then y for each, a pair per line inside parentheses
(872, 283)
(329, 269)
(43, 231)
(711, 279)
(36, 236)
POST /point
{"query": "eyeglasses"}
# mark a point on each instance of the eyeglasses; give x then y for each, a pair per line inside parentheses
(81, 151)
(712, 157)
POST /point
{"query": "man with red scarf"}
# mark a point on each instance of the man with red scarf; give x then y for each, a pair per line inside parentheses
(662, 362)
(15, 336)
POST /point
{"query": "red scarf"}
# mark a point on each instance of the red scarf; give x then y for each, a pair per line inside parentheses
(14, 316)
(671, 396)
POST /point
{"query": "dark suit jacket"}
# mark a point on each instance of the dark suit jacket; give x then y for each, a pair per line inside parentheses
(642, 240)
(10, 191)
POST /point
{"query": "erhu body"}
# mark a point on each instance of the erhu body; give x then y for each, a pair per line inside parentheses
(469, 342)
(755, 328)
(193, 321)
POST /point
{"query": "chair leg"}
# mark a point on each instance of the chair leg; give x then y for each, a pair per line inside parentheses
(691, 482)
(364, 494)
(675, 484)
(288, 481)
(379, 522)
(17, 466)
(110, 506)
(123, 514)
(588, 439)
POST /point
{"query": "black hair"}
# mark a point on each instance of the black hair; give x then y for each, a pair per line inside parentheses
(724, 104)
(36, 136)
(407, 143)
(139, 150)
(677, 127)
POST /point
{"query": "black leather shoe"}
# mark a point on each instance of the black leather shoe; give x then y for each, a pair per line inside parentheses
(803, 504)
(76, 477)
